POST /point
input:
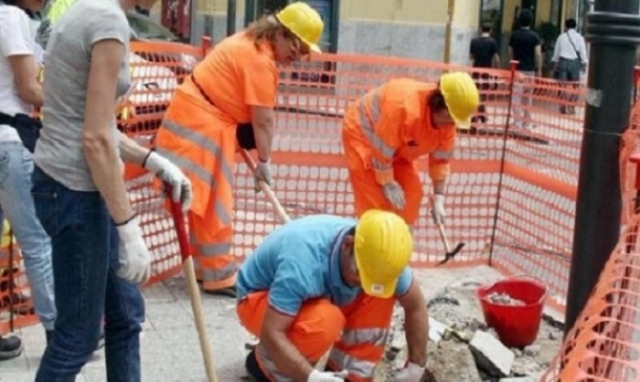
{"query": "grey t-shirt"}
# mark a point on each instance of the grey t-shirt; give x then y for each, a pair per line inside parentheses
(59, 150)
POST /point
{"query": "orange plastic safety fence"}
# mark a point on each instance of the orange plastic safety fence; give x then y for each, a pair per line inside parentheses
(510, 199)
(603, 345)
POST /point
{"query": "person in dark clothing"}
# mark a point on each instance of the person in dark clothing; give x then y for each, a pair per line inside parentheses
(484, 54)
(525, 46)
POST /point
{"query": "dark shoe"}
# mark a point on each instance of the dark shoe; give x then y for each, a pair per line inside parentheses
(231, 292)
(251, 364)
(10, 347)
(49, 334)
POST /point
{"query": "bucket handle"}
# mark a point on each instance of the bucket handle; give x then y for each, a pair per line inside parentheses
(524, 276)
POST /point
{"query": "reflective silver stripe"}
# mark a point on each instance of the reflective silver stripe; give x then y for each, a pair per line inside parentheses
(268, 364)
(213, 249)
(442, 154)
(220, 274)
(377, 337)
(204, 143)
(368, 126)
(363, 369)
(202, 173)
(379, 165)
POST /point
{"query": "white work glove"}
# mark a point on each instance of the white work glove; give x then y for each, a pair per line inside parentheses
(394, 194)
(170, 173)
(262, 173)
(438, 209)
(327, 376)
(410, 373)
(133, 254)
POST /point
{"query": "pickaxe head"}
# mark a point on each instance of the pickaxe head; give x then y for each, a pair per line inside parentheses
(450, 255)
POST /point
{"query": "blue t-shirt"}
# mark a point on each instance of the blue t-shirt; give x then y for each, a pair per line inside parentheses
(300, 261)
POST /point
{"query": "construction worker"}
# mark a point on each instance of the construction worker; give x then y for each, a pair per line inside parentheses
(325, 281)
(389, 128)
(235, 85)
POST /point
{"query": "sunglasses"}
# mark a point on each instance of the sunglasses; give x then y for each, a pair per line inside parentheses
(297, 46)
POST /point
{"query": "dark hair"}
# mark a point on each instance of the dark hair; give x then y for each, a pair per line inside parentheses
(570, 24)
(525, 18)
(486, 27)
(10, 2)
(436, 101)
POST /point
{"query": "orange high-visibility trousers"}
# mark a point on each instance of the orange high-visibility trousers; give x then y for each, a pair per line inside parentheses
(368, 194)
(357, 332)
(201, 141)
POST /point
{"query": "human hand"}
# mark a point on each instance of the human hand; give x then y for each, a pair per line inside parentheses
(327, 376)
(133, 254)
(167, 171)
(394, 194)
(410, 373)
(438, 211)
(262, 172)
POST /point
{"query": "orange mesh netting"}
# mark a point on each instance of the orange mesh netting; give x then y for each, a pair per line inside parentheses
(511, 196)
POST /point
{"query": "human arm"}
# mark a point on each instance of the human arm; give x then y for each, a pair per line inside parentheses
(263, 121)
(510, 48)
(416, 325)
(288, 291)
(471, 50)
(99, 148)
(17, 47)
(132, 152)
(283, 352)
(538, 58)
(260, 79)
(495, 61)
(439, 171)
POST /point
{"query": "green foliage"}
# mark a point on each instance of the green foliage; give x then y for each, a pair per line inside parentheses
(548, 32)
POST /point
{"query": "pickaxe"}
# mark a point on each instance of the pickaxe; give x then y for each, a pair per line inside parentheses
(449, 254)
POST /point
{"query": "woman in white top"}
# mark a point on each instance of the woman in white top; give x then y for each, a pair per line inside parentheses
(19, 93)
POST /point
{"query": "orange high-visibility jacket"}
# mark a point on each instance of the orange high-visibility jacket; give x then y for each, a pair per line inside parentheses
(198, 131)
(394, 121)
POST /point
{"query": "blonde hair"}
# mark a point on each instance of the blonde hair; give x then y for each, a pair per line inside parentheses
(265, 28)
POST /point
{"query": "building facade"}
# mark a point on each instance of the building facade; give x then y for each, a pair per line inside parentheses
(404, 28)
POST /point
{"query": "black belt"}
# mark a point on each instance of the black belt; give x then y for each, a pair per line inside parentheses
(244, 132)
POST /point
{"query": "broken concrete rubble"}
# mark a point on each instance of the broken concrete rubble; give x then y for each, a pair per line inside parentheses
(491, 355)
(504, 299)
(456, 309)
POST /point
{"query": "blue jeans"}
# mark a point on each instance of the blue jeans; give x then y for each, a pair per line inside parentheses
(16, 166)
(85, 261)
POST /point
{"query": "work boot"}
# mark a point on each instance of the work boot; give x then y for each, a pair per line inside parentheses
(231, 292)
(251, 364)
(10, 347)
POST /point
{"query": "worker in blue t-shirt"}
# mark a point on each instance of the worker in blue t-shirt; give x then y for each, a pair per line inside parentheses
(325, 281)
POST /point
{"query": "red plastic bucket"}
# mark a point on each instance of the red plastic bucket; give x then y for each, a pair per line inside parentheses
(516, 326)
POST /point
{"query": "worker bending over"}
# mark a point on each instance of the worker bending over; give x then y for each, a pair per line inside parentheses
(389, 128)
(325, 281)
(228, 102)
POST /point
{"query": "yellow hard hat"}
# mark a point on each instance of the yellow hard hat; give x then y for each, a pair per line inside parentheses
(383, 246)
(461, 96)
(304, 22)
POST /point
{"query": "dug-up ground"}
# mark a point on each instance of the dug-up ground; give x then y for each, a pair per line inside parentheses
(461, 347)
(171, 351)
